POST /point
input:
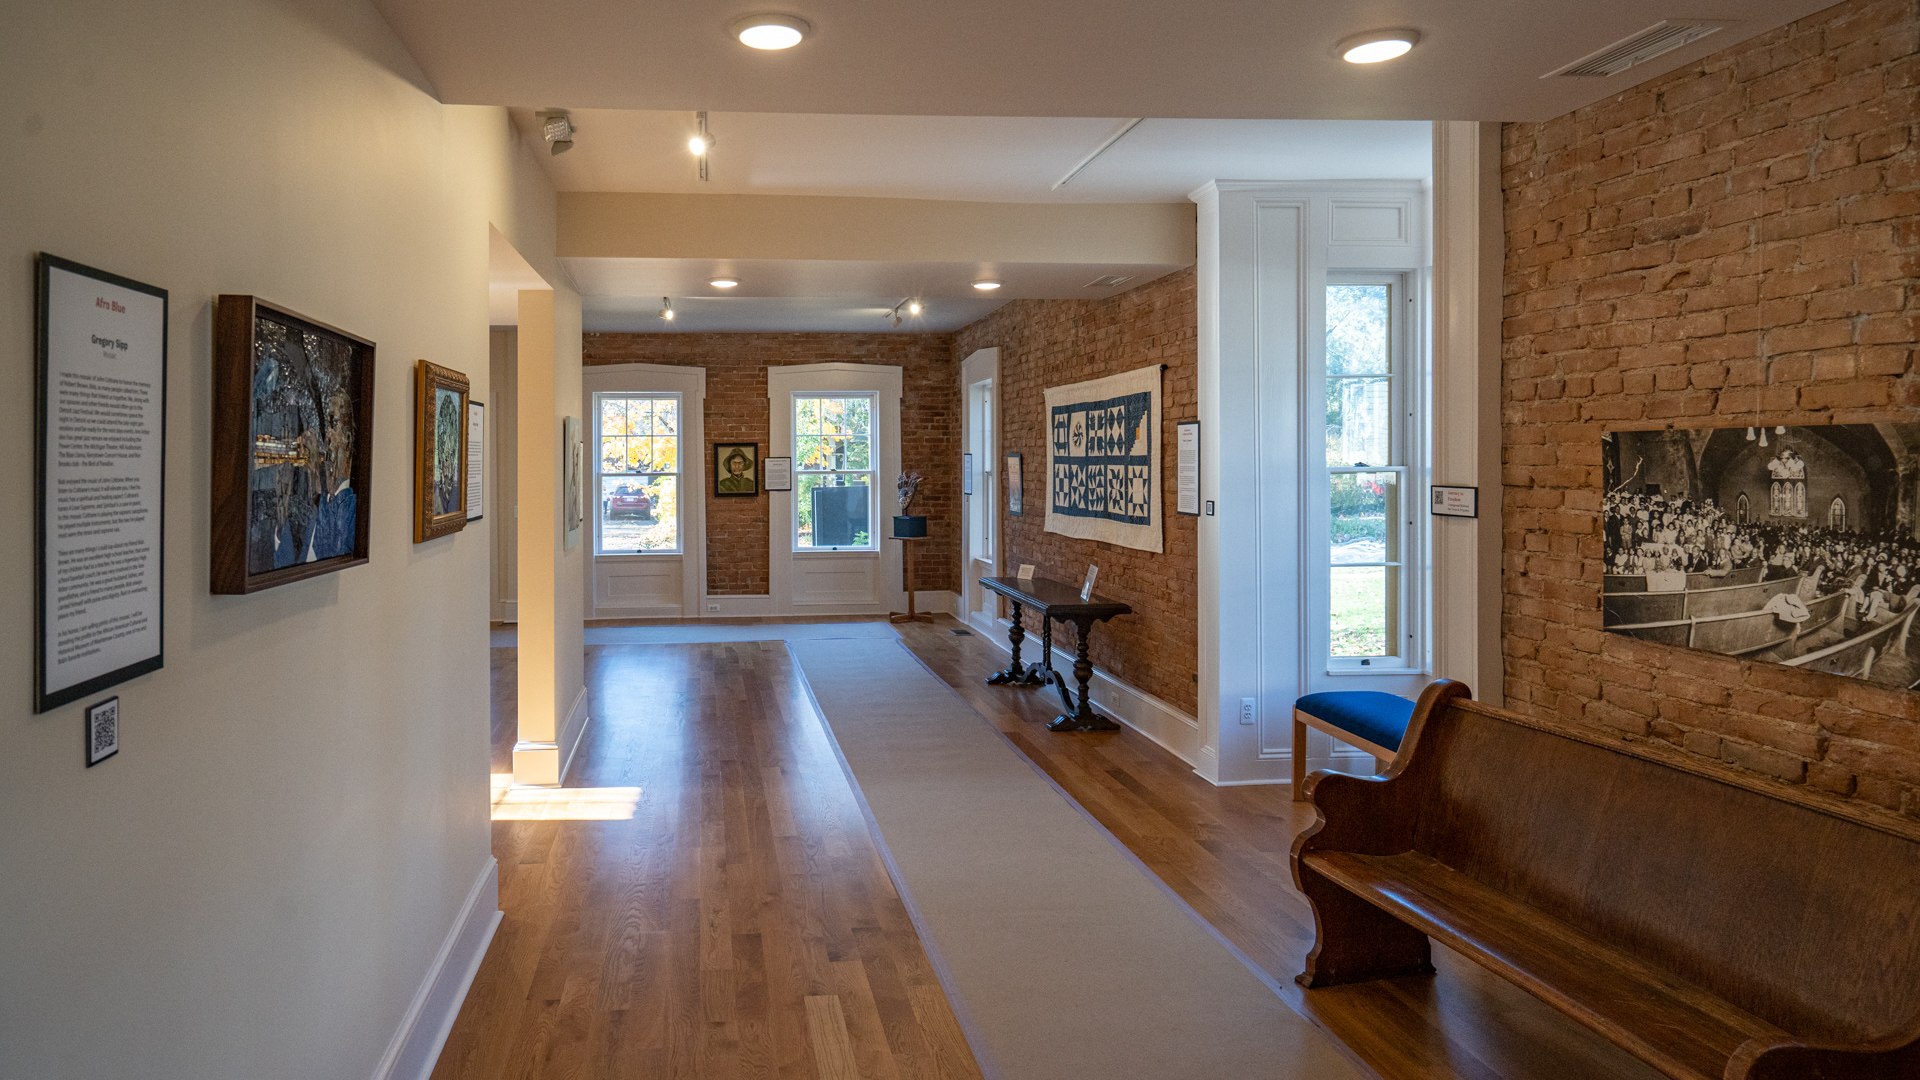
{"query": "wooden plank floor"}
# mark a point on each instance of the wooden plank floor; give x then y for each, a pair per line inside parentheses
(1224, 850)
(739, 923)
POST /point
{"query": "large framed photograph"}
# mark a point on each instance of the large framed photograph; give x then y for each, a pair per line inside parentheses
(736, 470)
(1792, 545)
(292, 446)
(100, 453)
(439, 451)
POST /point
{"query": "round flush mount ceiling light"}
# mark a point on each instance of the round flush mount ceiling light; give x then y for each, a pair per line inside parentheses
(724, 282)
(1376, 46)
(769, 31)
(986, 284)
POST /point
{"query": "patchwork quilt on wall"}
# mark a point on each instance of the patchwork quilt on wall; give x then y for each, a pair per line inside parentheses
(1103, 460)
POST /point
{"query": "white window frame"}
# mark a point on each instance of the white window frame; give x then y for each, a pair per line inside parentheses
(679, 474)
(1407, 453)
(872, 471)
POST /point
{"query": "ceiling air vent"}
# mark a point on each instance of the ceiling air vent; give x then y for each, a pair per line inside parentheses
(1107, 282)
(1657, 40)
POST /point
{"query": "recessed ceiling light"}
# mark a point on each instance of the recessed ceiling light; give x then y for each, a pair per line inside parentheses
(1377, 45)
(769, 31)
(986, 285)
(724, 282)
(913, 307)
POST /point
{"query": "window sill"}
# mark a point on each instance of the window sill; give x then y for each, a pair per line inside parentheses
(1377, 669)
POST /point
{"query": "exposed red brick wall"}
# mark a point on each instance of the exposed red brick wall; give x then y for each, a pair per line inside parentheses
(736, 411)
(1740, 233)
(1046, 343)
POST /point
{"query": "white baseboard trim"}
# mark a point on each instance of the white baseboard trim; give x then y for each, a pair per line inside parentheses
(429, 1018)
(933, 601)
(539, 764)
(1175, 732)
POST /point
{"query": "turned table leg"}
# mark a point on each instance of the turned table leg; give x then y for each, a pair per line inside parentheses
(1015, 635)
(1082, 717)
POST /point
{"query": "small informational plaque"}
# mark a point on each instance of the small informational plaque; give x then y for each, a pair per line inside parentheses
(476, 460)
(100, 480)
(1456, 501)
(1026, 572)
(966, 474)
(778, 473)
(1186, 468)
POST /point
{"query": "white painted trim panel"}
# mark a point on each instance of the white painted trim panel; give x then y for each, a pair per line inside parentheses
(422, 1033)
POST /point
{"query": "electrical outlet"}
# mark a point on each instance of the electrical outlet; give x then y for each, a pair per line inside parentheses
(1246, 710)
(713, 607)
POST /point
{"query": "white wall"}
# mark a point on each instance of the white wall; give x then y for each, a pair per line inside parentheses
(258, 884)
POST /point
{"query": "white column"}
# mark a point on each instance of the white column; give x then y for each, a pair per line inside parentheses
(1469, 248)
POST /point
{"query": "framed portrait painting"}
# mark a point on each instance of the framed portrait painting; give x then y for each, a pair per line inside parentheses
(736, 470)
(439, 452)
(292, 446)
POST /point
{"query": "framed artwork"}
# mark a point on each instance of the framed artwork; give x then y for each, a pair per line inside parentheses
(292, 446)
(1015, 492)
(476, 461)
(966, 474)
(736, 470)
(99, 480)
(573, 495)
(1785, 545)
(439, 451)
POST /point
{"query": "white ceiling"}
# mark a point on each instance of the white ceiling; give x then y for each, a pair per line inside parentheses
(970, 158)
(997, 100)
(1010, 159)
(777, 314)
(824, 295)
(1252, 59)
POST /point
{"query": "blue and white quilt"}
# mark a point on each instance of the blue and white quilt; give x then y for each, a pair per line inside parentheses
(1103, 459)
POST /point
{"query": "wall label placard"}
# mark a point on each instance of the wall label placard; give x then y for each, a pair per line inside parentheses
(100, 480)
(1456, 501)
(1186, 471)
(476, 461)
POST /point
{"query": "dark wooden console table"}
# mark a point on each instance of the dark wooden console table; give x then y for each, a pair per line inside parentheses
(1053, 600)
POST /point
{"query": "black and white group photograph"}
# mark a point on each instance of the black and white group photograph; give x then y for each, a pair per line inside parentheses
(1793, 545)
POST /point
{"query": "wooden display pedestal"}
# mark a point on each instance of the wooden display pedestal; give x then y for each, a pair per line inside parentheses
(909, 615)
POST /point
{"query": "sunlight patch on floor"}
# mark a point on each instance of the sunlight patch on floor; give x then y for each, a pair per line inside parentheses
(561, 804)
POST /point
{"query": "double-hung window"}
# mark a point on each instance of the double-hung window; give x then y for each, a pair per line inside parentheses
(637, 473)
(835, 473)
(1368, 435)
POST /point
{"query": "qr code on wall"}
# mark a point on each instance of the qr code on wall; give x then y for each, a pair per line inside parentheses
(103, 731)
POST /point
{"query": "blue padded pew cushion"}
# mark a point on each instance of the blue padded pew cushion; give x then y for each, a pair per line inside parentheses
(1378, 718)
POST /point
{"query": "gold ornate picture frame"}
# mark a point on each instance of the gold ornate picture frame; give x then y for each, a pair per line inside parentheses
(439, 451)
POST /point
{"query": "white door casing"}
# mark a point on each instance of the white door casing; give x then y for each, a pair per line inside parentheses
(835, 582)
(980, 436)
(654, 585)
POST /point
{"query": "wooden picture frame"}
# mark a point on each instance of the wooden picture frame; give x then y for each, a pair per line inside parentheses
(1016, 486)
(288, 504)
(439, 451)
(727, 485)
